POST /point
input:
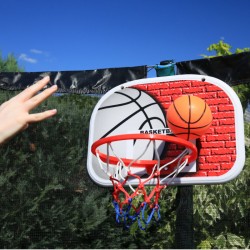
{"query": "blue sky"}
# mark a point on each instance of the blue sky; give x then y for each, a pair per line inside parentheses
(55, 35)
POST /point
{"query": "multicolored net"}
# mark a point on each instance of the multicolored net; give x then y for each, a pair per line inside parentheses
(140, 202)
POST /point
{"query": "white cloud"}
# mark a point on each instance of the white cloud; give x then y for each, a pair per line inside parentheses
(26, 58)
(39, 52)
(36, 51)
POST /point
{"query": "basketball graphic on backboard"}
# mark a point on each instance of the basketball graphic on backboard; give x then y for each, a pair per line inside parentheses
(141, 107)
(129, 110)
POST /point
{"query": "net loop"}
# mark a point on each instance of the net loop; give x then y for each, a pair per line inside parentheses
(154, 213)
(123, 215)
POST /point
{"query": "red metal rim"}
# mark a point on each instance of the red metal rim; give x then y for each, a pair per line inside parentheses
(142, 163)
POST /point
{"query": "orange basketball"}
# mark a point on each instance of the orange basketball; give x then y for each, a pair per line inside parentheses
(189, 117)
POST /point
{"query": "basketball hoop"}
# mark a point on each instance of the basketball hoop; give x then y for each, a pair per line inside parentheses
(139, 203)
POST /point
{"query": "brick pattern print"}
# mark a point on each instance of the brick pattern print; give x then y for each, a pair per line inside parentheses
(217, 148)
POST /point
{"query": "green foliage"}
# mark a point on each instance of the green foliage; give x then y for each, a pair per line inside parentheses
(243, 92)
(49, 200)
(222, 213)
(165, 236)
(247, 129)
(237, 51)
(223, 49)
(158, 235)
(9, 64)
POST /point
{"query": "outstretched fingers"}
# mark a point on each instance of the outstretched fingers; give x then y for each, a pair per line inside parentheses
(33, 89)
(41, 116)
(37, 99)
(15, 113)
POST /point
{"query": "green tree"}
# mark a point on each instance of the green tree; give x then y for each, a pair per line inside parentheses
(243, 92)
(9, 64)
(50, 201)
(223, 49)
(214, 228)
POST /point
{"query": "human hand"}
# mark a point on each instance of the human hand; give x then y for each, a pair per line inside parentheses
(14, 114)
